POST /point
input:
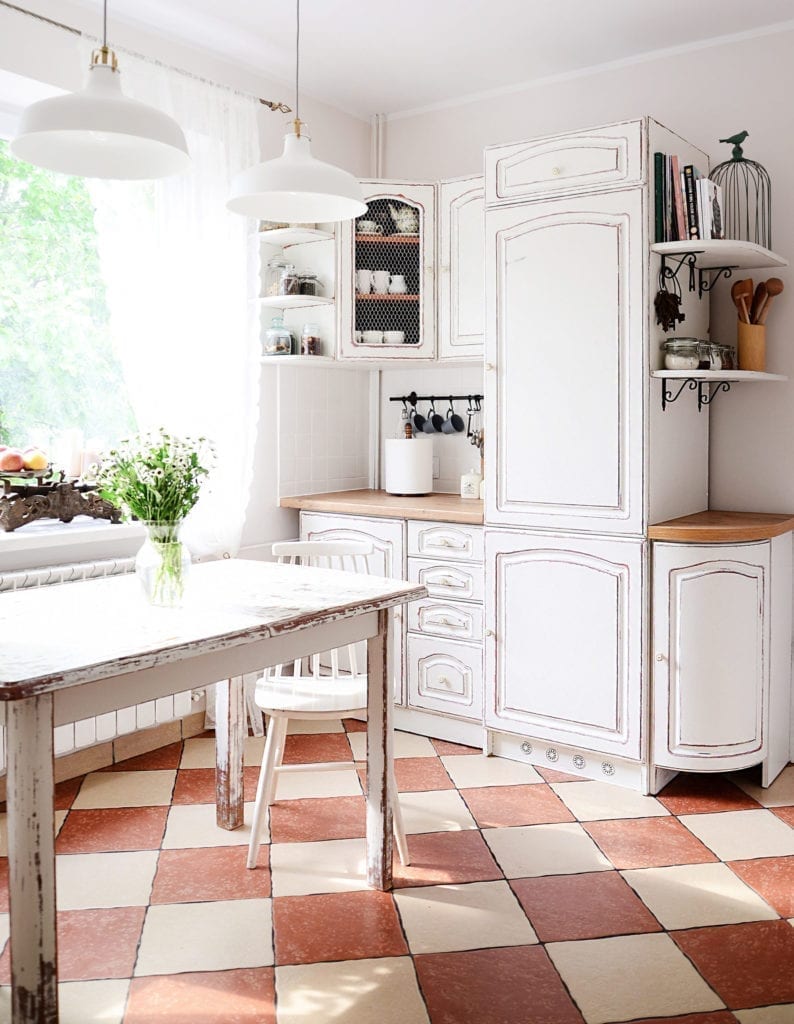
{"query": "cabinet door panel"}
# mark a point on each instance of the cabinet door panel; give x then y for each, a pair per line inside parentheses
(710, 646)
(461, 284)
(564, 400)
(564, 639)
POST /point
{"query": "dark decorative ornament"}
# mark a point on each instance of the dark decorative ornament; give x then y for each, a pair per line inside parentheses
(746, 195)
(42, 498)
(667, 309)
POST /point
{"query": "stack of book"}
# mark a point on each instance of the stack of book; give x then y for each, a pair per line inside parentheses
(688, 206)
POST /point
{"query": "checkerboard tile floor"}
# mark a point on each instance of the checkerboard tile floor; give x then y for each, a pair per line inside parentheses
(532, 897)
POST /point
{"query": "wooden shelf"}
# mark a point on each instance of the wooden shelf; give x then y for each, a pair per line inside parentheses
(292, 301)
(284, 237)
(713, 526)
(390, 239)
(377, 297)
(699, 381)
(437, 507)
(716, 375)
(327, 362)
(722, 252)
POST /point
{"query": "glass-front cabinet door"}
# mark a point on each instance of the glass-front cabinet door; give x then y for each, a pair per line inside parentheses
(386, 293)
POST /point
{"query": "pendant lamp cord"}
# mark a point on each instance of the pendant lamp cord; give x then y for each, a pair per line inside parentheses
(297, 56)
(105, 25)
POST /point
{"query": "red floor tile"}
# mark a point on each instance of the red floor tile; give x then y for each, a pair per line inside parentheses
(589, 906)
(703, 794)
(112, 829)
(353, 725)
(336, 926)
(416, 774)
(316, 748)
(244, 996)
(93, 944)
(446, 749)
(502, 806)
(211, 873)
(746, 964)
(66, 791)
(648, 843)
(162, 759)
(311, 820)
(772, 878)
(716, 1017)
(439, 858)
(516, 985)
(197, 785)
(785, 814)
(552, 775)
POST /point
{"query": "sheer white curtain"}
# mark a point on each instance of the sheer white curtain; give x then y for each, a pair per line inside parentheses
(180, 273)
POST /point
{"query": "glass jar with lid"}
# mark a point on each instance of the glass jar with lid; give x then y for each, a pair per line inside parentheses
(681, 353)
(273, 271)
(290, 283)
(311, 345)
(278, 339)
(309, 283)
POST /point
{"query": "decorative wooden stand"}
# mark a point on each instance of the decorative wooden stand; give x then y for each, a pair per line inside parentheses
(44, 498)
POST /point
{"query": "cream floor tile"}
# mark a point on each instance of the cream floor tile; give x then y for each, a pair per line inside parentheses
(305, 727)
(469, 770)
(334, 865)
(782, 1014)
(5, 930)
(631, 976)
(215, 936)
(443, 918)
(696, 895)
(199, 752)
(742, 835)
(440, 810)
(82, 1002)
(779, 794)
(93, 880)
(593, 801)
(60, 818)
(300, 785)
(193, 825)
(350, 992)
(406, 744)
(533, 850)
(125, 789)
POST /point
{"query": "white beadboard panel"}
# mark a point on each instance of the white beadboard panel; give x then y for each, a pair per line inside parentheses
(323, 430)
(455, 453)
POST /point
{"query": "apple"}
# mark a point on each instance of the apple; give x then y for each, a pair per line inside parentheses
(34, 458)
(11, 460)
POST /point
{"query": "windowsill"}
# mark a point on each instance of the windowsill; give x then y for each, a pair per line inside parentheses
(49, 542)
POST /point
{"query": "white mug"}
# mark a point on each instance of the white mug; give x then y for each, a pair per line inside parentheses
(397, 285)
(393, 337)
(372, 337)
(368, 227)
(380, 281)
(363, 282)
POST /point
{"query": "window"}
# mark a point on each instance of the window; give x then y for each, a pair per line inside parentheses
(59, 373)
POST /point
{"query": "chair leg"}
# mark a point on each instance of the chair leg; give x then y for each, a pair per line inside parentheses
(399, 830)
(264, 791)
(279, 738)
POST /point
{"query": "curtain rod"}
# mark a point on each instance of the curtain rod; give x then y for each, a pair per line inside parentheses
(274, 105)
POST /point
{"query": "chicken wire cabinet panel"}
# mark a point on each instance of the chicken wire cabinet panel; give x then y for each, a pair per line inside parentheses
(386, 287)
(461, 277)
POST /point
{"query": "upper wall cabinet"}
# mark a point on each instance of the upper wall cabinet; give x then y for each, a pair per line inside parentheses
(563, 164)
(461, 279)
(386, 282)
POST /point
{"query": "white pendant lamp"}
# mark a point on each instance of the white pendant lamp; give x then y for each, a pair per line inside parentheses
(295, 187)
(98, 132)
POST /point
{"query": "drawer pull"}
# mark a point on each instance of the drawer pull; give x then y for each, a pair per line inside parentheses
(447, 581)
(444, 621)
(446, 543)
(443, 681)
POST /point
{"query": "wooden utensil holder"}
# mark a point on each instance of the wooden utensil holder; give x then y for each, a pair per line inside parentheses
(752, 346)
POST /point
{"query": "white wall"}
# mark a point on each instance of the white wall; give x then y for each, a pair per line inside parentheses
(48, 54)
(702, 95)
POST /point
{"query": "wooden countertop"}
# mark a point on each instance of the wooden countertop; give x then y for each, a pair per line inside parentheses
(714, 527)
(440, 508)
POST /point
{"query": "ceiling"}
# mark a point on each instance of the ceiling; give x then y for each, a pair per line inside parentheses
(371, 56)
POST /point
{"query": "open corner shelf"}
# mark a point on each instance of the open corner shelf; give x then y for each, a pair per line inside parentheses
(699, 381)
(327, 362)
(284, 237)
(722, 255)
(292, 302)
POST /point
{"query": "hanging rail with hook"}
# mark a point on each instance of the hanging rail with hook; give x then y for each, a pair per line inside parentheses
(413, 398)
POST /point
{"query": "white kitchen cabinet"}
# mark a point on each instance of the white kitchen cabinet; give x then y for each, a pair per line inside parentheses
(391, 307)
(565, 366)
(563, 646)
(461, 260)
(445, 676)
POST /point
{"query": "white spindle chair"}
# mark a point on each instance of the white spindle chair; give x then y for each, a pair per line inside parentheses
(323, 686)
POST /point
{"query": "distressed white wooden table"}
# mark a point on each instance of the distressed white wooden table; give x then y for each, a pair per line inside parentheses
(76, 650)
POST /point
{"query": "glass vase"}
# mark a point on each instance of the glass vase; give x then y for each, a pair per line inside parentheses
(162, 564)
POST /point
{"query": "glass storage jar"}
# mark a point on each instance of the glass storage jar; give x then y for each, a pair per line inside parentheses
(273, 271)
(311, 344)
(290, 283)
(278, 339)
(309, 283)
(681, 353)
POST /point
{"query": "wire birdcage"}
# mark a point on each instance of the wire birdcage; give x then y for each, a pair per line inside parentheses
(746, 195)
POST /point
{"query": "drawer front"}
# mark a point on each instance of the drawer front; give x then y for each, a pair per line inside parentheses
(446, 618)
(443, 540)
(445, 676)
(452, 581)
(548, 167)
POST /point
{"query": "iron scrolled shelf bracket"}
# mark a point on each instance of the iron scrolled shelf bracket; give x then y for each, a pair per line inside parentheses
(671, 266)
(706, 398)
(705, 285)
(668, 397)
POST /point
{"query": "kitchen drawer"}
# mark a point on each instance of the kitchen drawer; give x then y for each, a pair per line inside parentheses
(446, 618)
(443, 540)
(452, 581)
(607, 156)
(446, 676)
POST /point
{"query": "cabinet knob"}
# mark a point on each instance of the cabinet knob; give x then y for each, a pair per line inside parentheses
(661, 657)
(489, 366)
(556, 172)
(490, 632)
(443, 681)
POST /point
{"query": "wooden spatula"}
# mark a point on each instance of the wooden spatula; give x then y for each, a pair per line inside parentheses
(774, 286)
(742, 295)
(759, 298)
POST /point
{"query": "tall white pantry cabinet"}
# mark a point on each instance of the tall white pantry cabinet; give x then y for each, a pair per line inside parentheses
(581, 458)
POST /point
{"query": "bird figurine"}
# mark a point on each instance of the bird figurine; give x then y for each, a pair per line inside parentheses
(736, 141)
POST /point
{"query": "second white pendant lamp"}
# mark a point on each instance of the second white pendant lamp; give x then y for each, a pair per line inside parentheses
(98, 132)
(295, 187)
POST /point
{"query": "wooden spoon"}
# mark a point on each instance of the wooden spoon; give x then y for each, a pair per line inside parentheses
(759, 298)
(742, 295)
(774, 286)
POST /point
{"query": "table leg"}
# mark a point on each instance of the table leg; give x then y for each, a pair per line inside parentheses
(379, 759)
(31, 853)
(230, 731)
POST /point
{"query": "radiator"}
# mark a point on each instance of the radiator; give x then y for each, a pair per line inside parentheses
(101, 728)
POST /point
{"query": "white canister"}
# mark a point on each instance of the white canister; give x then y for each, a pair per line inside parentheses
(408, 466)
(470, 485)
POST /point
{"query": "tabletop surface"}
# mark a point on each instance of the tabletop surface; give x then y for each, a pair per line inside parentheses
(71, 633)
